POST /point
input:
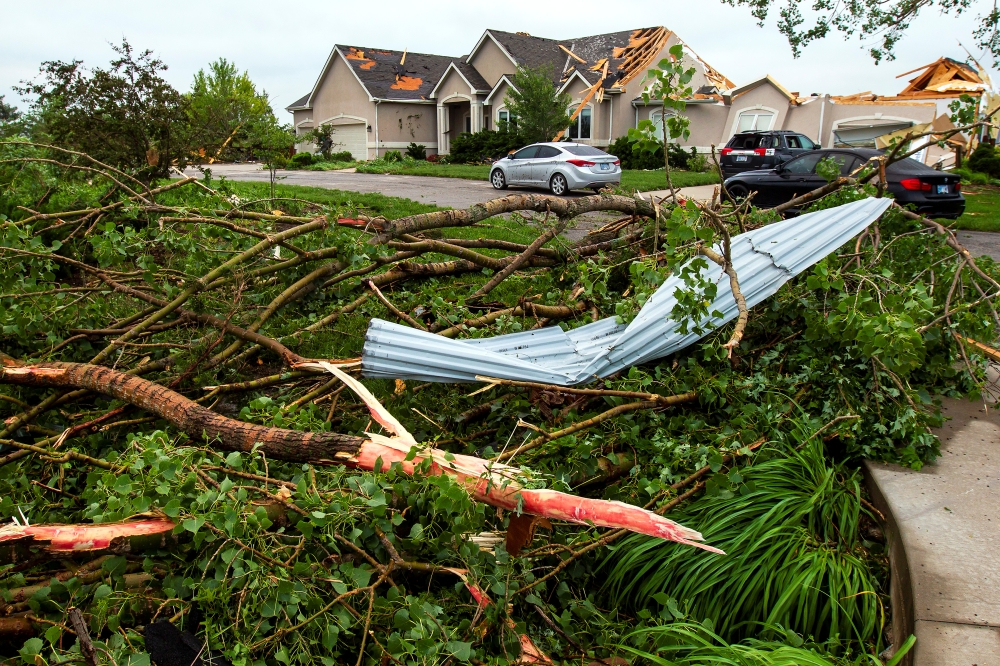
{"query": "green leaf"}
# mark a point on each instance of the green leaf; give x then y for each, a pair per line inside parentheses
(462, 651)
(52, 634)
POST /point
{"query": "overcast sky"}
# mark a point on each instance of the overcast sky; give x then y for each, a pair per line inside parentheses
(283, 45)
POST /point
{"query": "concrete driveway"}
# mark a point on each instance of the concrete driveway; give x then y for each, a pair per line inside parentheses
(444, 192)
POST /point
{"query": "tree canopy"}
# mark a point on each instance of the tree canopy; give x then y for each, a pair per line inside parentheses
(538, 107)
(883, 23)
(222, 105)
(127, 115)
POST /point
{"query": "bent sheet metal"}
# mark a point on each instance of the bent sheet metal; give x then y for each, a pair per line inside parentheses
(764, 259)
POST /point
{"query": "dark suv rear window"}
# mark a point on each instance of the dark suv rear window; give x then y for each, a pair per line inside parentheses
(750, 141)
(584, 151)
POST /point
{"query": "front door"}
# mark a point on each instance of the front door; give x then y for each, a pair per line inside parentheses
(544, 164)
(519, 171)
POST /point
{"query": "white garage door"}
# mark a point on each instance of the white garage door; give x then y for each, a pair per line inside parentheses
(353, 138)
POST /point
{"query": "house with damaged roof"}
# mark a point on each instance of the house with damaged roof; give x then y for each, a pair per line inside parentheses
(378, 100)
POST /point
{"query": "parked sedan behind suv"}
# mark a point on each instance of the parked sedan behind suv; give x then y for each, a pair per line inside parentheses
(928, 191)
(560, 167)
(749, 151)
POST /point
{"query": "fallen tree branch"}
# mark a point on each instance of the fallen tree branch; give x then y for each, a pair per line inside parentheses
(487, 481)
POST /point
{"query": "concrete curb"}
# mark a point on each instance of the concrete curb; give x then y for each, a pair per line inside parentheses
(942, 526)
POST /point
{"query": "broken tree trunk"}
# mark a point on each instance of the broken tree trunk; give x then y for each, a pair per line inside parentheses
(487, 481)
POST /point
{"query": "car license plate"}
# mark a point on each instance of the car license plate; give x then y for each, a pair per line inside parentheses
(605, 167)
(741, 158)
(942, 189)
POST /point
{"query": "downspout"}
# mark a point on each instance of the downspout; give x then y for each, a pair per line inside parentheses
(376, 128)
(822, 108)
(611, 120)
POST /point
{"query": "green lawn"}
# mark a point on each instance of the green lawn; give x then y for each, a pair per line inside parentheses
(982, 208)
(645, 181)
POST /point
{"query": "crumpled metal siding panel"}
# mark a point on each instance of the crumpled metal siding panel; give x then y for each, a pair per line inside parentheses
(764, 259)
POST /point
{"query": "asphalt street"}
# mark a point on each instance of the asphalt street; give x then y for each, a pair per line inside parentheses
(460, 193)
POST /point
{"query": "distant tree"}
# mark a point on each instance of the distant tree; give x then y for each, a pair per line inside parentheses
(540, 110)
(879, 22)
(272, 144)
(221, 106)
(11, 120)
(127, 115)
(8, 112)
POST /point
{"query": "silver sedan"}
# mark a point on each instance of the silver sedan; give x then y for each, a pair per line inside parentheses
(559, 167)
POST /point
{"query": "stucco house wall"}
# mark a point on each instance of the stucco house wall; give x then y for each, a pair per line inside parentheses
(491, 62)
(340, 95)
(399, 124)
(764, 97)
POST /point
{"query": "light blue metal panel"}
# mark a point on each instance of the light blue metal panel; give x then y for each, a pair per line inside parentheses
(764, 260)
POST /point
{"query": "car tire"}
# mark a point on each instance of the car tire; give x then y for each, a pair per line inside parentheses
(498, 180)
(738, 191)
(558, 185)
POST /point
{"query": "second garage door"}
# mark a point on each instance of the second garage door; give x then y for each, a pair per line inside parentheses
(353, 138)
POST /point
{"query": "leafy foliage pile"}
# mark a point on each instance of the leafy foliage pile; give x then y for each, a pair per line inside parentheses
(311, 563)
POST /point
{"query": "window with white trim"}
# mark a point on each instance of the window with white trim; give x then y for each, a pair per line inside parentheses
(757, 119)
(580, 128)
(503, 116)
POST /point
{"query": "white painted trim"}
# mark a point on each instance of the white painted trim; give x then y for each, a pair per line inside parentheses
(456, 96)
(496, 114)
(503, 78)
(755, 107)
(876, 116)
(482, 39)
(302, 123)
(593, 117)
(394, 145)
(387, 100)
(452, 66)
(344, 115)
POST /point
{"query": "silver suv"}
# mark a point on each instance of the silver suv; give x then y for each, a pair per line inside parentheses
(559, 167)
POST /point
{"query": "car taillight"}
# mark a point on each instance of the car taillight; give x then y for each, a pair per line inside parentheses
(726, 151)
(915, 185)
(581, 163)
(618, 162)
(958, 187)
(760, 151)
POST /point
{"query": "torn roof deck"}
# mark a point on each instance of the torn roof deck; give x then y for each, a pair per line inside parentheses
(386, 75)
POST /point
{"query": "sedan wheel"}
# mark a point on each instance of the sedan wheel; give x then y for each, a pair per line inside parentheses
(738, 191)
(558, 185)
(498, 180)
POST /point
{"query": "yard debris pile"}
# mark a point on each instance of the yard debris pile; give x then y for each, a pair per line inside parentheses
(186, 438)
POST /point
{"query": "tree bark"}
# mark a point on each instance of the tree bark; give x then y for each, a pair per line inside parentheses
(189, 417)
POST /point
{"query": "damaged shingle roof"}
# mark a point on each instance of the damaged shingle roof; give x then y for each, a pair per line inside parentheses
(384, 77)
(532, 52)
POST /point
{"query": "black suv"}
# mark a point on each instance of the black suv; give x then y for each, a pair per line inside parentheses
(751, 151)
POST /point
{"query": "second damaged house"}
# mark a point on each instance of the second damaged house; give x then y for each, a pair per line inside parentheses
(379, 100)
